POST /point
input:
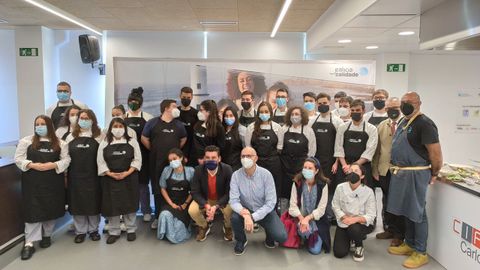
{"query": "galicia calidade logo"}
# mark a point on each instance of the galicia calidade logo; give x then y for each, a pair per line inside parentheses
(363, 71)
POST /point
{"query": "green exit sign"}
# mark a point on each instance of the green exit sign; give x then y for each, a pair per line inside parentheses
(396, 67)
(28, 51)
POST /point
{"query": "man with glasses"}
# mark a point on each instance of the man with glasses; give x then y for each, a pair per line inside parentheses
(57, 111)
(379, 112)
(281, 100)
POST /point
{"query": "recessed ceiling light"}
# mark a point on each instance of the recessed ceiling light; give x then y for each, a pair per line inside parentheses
(3, 21)
(406, 33)
(344, 41)
(373, 47)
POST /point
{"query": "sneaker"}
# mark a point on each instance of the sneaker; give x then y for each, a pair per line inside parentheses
(123, 227)
(227, 234)
(80, 238)
(396, 242)
(95, 236)
(403, 249)
(416, 260)
(202, 233)
(240, 248)
(352, 246)
(269, 244)
(27, 252)
(384, 235)
(358, 255)
(112, 239)
(131, 236)
(154, 224)
(45, 242)
(147, 217)
(256, 228)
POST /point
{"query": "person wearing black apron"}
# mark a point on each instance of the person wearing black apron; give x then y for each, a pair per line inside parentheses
(174, 220)
(136, 120)
(159, 136)
(188, 116)
(247, 114)
(297, 143)
(208, 130)
(281, 99)
(83, 183)
(68, 122)
(57, 110)
(119, 160)
(233, 143)
(379, 112)
(42, 158)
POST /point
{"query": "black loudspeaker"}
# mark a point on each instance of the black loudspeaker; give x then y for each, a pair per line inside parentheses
(89, 49)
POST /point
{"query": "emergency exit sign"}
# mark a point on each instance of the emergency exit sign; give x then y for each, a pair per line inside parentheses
(396, 67)
(28, 51)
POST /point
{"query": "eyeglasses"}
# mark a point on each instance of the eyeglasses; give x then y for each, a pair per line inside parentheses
(62, 91)
(247, 156)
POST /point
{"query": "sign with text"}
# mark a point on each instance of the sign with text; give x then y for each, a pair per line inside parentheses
(396, 67)
(28, 51)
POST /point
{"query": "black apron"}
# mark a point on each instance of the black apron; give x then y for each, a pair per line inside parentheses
(58, 113)
(279, 119)
(137, 124)
(265, 144)
(233, 148)
(43, 193)
(164, 137)
(246, 121)
(178, 192)
(325, 133)
(189, 119)
(294, 153)
(119, 197)
(83, 185)
(375, 120)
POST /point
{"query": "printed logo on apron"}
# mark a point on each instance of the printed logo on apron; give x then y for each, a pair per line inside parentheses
(119, 153)
(294, 141)
(45, 150)
(133, 125)
(322, 130)
(264, 138)
(165, 130)
(355, 140)
(83, 145)
(200, 135)
(186, 124)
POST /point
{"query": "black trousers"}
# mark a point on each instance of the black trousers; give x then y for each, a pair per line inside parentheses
(356, 232)
(391, 223)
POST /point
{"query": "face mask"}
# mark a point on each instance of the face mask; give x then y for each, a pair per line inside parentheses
(118, 132)
(85, 124)
(393, 114)
(230, 121)
(247, 163)
(185, 102)
(133, 106)
(73, 119)
(63, 96)
(343, 112)
(353, 178)
(337, 105)
(309, 106)
(308, 174)
(281, 102)
(41, 131)
(296, 119)
(211, 164)
(356, 116)
(323, 108)
(175, 163)
(264, 116)
(175, 113)
(407, 108)
(246, 105)
(201, 116)
(379, 104)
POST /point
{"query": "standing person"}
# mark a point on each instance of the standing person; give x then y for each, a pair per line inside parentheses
(308, 203)
(119, 112)
(253, 199)
(343, 110)
(393, 225)
(336, 99)
(355, 208)
(356, 142)
(57, 111)
(208, 130)
(188, 116)
(159, 136)
(83, 183)
(379, 112)
(310, 105)
(210, 190)
(298, 143)
(136, 120)
(233, 143)
(281, 109)
(119, 159)
(68, 122)
(42, 158)
(247, 114)
(416, 159)
(262, 135)
(272, 93)
(175, 184)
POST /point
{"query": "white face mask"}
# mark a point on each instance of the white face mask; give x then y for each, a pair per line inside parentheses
(175, 113)
(343, 112)
(118, 132)
(247, 163)
(201, 116)
(73, 119)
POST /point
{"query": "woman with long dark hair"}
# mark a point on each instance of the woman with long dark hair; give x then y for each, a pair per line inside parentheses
(208, 130)
(233, 143)
(68, 122)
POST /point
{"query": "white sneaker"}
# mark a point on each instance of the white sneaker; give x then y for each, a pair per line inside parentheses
(154, 224)
(358, 255)
(147, 217)
(123, 227)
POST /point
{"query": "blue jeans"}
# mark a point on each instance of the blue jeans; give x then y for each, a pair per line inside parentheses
(274, 228)
(416, 234)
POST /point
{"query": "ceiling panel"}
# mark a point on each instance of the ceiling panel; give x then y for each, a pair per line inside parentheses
(394, 7)
(378, 21)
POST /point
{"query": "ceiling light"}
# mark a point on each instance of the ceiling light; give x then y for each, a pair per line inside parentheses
(406, 33)
(219, 23)
(372, 47)
(344, 41)
(3, 21)
(56, 11)
(282, 14)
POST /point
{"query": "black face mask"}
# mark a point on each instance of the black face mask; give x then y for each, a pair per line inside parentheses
(407, 108)
(356, 116)
(352, 178)
(246, 105)
(323, 108)
(186, 102)
(393, 113)
(379, 104)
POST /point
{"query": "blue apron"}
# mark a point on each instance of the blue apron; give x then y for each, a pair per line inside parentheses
(408, 188)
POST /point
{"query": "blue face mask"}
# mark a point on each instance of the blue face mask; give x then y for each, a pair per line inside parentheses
(41, 131)
(264, 116)
(175, 163)
(308, 174)
(281, 102)
(230, 121)
(85, 124)
(211, 164)
(63, 96)
(309, 106)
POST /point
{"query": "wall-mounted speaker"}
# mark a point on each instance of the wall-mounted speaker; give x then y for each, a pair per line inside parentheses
(89, 48)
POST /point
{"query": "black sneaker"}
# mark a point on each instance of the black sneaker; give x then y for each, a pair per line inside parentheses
(256, 227)
(269, 244)
(95, 236)
(358, 255)
(240, 248)
(80, 238)
(27, 252)
(131, 236)
(112, 239)
(46, 242)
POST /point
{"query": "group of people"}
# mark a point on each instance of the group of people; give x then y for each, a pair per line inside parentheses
(294, 170)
